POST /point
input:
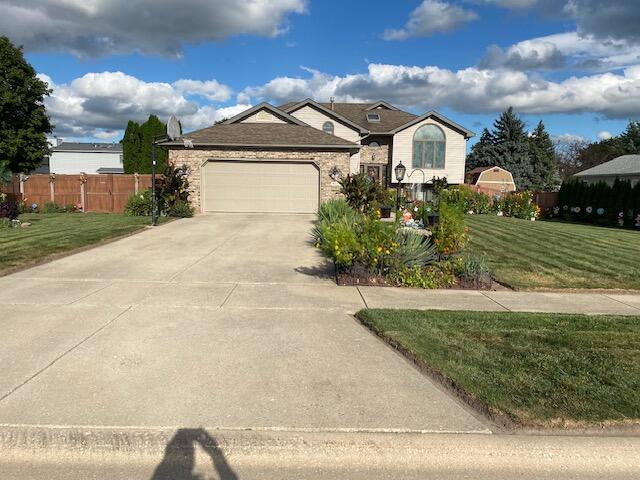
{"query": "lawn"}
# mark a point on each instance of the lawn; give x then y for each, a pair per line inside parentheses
(61, 232)
(535, 369)
(556, 255)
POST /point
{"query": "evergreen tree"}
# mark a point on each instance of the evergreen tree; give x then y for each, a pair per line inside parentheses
(136, 146)
(544, 166)
(131, 143)
(512, 148)
(24, 124)
(482, 153)
(630, 139)
(150, 130)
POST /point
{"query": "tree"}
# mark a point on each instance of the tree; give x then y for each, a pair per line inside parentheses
(136, 146)
(567, 153)
(24, 124)
(131, 143)
(5, 173)
(544, 166)
(483, 152)
(512, 148)
(630, 139)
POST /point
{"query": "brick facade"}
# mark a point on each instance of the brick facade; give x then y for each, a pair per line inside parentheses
(374, 154)
(196, 158)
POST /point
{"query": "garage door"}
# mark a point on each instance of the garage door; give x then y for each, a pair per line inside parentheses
(272, 187)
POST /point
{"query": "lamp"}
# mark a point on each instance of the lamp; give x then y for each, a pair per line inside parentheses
(400, 170)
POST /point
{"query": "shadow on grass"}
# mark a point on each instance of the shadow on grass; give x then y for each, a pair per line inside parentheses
(179, 457)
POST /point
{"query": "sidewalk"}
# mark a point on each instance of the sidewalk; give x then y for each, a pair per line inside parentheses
(502, 301)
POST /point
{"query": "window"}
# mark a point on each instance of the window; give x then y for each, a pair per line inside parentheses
(374, 144)
(429, 147)
(373, 117)
(327, 127)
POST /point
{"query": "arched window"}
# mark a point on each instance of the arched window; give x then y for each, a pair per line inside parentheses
(429, 147)
(374, 144)
(327, 127)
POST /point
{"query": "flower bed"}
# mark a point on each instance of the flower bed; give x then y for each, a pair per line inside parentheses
(368, 251)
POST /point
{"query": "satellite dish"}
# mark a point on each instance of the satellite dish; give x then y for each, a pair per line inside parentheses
(173, 128)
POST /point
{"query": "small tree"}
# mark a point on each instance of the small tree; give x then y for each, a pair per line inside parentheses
(24, 124)
(131, 144)
(136, 146)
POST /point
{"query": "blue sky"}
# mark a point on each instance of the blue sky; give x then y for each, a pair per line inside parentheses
(573, 64)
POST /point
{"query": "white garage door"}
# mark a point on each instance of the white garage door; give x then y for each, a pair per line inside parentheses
(273, 187)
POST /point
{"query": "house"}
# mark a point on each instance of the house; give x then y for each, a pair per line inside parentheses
(290, 158)
(75, 158)
(626, 167)
(491, 178)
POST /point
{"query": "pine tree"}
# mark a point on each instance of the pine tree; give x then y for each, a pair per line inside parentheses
(131, 143)
(482, 153)
(544, 166)
(630, 139)
(24, 123)
(512, 148)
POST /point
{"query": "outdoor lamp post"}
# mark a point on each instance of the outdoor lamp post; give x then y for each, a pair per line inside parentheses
(400, 170)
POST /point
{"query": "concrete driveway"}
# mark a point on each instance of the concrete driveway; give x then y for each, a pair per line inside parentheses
(216, 321)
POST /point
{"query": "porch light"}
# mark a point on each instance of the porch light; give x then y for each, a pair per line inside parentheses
(400, 171)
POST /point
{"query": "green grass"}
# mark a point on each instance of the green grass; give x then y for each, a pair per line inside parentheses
(536, 369)
(61, 232)
(555, 255)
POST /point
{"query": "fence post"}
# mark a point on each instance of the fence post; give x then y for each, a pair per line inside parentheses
(136, 178)
(52, 188)
(83, 180)
(23, 180)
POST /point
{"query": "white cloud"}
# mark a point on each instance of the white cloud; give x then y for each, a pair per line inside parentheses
(604, 135)
(100, 27)
(432, 16)
(100, 104)
(470, 90)
(211, 89)
(563, 50)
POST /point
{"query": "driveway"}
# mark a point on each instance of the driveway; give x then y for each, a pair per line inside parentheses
(218, 321)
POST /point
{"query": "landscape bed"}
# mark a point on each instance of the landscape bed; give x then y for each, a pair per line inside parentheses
(556, 255)
(56, 233)
(526, 369)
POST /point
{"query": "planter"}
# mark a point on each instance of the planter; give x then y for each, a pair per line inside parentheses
(385, 211)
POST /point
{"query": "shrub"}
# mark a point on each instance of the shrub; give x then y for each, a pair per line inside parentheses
(473, 271)
(333, 211)
(181, 209)
(53, 207)
(439, 275)
(362, 193)
(173, 188)
(450, 235)
(518, 205)
(340, 243)
(139, 204)
(414, 250)
(8, 210)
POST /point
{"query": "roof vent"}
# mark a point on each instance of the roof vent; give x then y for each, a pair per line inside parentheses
(373, 117)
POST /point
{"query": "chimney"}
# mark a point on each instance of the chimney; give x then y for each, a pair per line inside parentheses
(333, 100)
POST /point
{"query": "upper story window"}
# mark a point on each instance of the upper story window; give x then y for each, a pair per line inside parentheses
(429, 147)
(374, 144)
(327, 127)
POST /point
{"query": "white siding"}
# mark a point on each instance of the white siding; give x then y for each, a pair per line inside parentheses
(263, 116)
(454, 162)
(316, 119)
(87, 162)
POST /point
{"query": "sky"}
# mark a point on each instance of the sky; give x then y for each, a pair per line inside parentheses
(574, 64)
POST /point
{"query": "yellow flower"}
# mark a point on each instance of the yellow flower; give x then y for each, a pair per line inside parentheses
(387, 252)
(379, 249)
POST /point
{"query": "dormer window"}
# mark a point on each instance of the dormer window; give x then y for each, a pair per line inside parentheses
(373, 117)
(327, 127)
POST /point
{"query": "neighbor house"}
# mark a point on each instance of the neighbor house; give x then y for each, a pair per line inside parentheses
(491, 178)
(290, 158)
(626, 167)
(75, 158)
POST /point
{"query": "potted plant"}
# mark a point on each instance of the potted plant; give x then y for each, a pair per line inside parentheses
(386, 203)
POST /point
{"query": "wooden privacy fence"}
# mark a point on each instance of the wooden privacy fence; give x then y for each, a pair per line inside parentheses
(546, 200)
(91, 193)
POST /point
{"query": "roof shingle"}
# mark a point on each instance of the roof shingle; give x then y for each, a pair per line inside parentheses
(624, 165)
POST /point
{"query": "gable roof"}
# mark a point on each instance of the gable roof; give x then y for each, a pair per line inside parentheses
(88, 147)
(357, 113)
(382, 103)
(269, 135)
(624, 165)
(433, 114)
(294, 106)
(265, 106)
